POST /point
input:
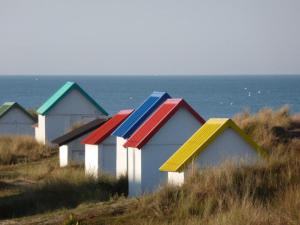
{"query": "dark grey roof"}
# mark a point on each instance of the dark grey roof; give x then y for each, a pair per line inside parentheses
(80, 131)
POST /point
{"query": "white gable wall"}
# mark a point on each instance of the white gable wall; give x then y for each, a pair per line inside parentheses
(161, 146)
(16, 122)
(73, 108)
(74, 103)
(228, 146)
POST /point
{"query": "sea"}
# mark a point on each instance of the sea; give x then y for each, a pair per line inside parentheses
(211, 96)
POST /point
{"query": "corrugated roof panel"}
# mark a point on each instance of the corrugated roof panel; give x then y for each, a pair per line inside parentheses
(60, 93)
(80, 131)
(200, 140)
(106, 129)
(146, 131)
(140, 114)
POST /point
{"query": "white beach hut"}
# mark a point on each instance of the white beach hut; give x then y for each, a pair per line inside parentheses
(70, 149)
(68, 106)
(15, 120)
(126, 129)
(155, 141)
(100, 146)
(218, 140)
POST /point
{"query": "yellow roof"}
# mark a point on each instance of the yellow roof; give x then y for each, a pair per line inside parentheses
(200, 140)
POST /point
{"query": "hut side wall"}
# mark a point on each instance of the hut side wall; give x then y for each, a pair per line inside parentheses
(161, 146)
(64, 155)
(121, 157)
(77, 150)
(134, 172)
(101, 158)
(40, 130)
(16, 122)
(92, 160)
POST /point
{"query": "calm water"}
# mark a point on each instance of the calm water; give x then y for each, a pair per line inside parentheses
(212, 96)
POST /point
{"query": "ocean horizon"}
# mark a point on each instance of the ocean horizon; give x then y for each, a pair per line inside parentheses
(211, 96)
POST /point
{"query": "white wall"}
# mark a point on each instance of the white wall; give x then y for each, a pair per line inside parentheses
(228, 146)
(176, 178)
(161, 146)
(40, 130)
(64, 155)
(74, 103)
(16, 122)
(74, 107)
(101, 158)
(76, 151)
(91, 160)
(121, 157)
(134, 172)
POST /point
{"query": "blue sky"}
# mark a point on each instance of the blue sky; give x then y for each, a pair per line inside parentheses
(149, 37)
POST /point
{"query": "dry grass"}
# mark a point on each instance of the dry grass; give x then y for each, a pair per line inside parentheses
(58, 188)
(15, 149)
(267, 193)
(270, 128)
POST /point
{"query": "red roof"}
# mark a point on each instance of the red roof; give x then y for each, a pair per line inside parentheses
(106, 129)
(157, 120)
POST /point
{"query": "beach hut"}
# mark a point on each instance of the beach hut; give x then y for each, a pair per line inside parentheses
(70, 149)
(156, 140)
(218, 140)
(68, 106)
(124, 131)
(15, 120)
(100, 146)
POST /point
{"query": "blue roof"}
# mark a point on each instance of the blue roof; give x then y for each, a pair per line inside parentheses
(141, 114)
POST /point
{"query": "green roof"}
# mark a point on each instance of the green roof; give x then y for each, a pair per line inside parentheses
(61, 93)
(9, 105)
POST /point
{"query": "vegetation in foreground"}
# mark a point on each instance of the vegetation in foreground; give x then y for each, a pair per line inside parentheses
(20, 149)
(265, 193)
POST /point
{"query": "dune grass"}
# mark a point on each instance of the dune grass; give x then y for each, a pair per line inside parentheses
(267, 193)
(16, 149)
(55, 188)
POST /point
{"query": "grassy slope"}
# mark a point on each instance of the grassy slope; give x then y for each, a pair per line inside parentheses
(266, 193)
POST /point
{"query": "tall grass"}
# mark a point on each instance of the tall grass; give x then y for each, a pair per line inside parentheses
(267, 193)
(14, 149)
(62, 188)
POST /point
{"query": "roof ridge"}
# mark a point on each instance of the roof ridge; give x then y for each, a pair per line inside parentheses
(61, 93)
(136, 119)
(95, 137)
(157, 120)
(5, 107)
(186, 156)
